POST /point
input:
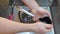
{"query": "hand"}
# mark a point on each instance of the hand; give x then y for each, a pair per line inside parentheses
(40, 13)
(41, 28)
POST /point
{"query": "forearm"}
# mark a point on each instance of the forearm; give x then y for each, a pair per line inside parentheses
(32, 4)
(7, 26)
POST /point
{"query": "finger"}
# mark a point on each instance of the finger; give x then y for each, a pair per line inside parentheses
(48, 30)
(48, 13)
(35, 19)
(42, 32)
(33, 11)
(48, 26)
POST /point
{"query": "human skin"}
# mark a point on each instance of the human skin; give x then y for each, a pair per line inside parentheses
(9, 27)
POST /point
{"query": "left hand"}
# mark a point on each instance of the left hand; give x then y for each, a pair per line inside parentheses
(40, 13)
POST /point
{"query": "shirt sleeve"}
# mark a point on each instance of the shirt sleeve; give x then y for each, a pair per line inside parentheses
(3, 8)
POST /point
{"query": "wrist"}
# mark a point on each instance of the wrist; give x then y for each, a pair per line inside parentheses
(31, 26)
(35, 8)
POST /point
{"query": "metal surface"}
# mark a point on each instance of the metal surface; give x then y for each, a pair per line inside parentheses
(28, 15)
(40, 2)
(56, 19)
(55, 8)
(55, 12)
(24, 11)
(45, 3)
(16, 18)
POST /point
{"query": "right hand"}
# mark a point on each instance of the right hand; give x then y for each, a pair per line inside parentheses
(41, 28)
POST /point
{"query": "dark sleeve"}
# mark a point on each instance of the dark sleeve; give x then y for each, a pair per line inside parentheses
(18, 3)
(3, 8)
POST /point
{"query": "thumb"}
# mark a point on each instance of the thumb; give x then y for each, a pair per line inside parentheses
(33, 11)
(48, 26)
(35, 18)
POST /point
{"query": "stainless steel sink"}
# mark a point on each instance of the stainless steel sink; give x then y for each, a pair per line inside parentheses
(15, 13)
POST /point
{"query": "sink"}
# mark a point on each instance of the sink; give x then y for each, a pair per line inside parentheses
(16, 18)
